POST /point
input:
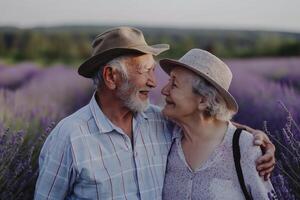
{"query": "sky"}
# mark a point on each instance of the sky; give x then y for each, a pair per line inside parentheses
(279, 15)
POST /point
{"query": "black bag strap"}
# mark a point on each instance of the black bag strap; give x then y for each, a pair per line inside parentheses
(237, 159)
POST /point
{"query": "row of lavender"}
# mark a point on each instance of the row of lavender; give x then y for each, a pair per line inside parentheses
(32, 98)
(32, 101)
(268, 93)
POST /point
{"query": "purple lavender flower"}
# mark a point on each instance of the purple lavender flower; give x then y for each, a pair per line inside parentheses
(15, 77)
(32, 98)
(47, 96)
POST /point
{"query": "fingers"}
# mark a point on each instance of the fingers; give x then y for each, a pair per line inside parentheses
(268, 173)
(265, 165)
(265, 159)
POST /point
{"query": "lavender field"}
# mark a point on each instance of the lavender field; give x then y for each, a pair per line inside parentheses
(34, 99)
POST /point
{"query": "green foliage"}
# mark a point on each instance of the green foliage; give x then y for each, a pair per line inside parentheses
(73, 44)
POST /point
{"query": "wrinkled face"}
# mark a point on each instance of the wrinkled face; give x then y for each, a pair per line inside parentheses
(181, 101)
(135, 91)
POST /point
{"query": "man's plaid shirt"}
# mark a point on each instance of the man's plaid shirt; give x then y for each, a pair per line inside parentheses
(87, 157)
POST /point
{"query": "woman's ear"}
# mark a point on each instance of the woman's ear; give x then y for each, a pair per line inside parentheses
(110, 77)
(202, 104)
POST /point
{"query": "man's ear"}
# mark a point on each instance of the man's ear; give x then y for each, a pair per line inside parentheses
(110, 77)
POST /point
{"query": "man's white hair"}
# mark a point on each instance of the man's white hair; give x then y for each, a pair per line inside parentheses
(216, 105)
(116, 63)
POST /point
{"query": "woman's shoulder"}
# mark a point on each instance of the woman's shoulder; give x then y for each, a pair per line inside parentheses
(246, 139)
(246, 143)
(248, 149)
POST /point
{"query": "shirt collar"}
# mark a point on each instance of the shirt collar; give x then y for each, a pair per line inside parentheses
(177, 132)
(103, 123)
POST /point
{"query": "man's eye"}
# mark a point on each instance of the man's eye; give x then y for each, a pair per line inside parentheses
(150, 69)
(144, 70)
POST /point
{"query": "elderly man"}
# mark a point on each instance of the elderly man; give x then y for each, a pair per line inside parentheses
(115, 147)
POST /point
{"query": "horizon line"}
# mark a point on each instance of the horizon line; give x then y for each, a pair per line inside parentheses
(158, 26)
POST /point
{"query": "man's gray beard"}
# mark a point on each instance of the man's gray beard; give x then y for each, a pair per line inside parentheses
(132, 102)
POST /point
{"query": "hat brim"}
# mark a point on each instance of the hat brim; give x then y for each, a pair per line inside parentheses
(89, 67)
(168, 64)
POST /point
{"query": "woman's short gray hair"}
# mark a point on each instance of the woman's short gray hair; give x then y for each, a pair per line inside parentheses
(116, 63)
(216, 105)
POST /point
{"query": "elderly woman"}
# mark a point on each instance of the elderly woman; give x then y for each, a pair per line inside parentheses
(201, 163)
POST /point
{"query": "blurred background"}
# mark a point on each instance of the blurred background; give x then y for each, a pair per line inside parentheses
(42, 43)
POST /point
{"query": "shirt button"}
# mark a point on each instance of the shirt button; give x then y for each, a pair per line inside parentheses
(135, 154)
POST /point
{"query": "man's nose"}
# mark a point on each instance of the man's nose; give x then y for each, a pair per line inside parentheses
(152, 80)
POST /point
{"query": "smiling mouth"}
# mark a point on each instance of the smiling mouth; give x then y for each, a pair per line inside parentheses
(144, 92)
(168, 102)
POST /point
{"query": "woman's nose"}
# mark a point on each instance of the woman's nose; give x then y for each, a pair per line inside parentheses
(165, 90)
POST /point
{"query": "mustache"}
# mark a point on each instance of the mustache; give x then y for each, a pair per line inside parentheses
(144, 89)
